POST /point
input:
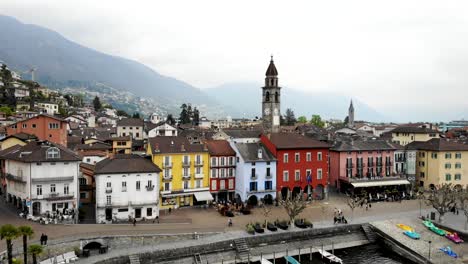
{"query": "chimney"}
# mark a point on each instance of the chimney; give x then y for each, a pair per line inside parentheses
(260, 153)
(182, 147)
(156, 147)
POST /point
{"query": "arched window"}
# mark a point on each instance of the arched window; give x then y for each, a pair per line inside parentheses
(53, 153)
(276, 97)
(267, 96)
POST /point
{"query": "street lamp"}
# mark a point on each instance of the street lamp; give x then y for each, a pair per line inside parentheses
(430, 241)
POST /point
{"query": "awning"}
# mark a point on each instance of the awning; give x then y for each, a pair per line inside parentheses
(203, 196)
(379, 183)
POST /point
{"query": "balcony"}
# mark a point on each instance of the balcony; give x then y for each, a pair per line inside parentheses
(186, 164)
(15, 178)
(254, 176)
(360, 165)
(388, 164)
(167, 177)
(199, 176)
(167, 165)
(199, 163)
(268, 176)
(124, 189)
(108, 189)
(370, 165)
(349, 165)
(149, 188)
(186, 177)
(55, 196)
(249, 191)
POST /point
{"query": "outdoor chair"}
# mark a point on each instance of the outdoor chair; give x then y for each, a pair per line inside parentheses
(70, 256)
(59, 259)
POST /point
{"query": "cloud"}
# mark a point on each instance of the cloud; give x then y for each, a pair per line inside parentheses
(403, 57)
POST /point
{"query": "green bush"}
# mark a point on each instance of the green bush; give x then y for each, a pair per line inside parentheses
(250, 229)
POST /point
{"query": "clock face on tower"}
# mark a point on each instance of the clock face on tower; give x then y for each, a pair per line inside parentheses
(267, 111)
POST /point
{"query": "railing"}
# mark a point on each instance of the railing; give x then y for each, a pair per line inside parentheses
(108, 189)
(124, 189)
(254, 176)
(349, 165)
(388, 163)
(373, 178)
(186, 176)
(249, 191)
(199, 163)
(167, 165)
(167, 177)
(199, 176)
(186, 163)
(370, 164)
(54, 196)
(268, 176)
(149, 188)
(360, 165)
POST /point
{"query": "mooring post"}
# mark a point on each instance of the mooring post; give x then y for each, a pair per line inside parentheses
(287, 252)
(299, 254)
(310, 257)
(333, 248)
(274, 258)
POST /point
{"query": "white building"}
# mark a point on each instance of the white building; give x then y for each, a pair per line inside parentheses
(204, 122)
(255, 173)
(127, 187)
(41, 177)
(155, 118)
(47, 107)
(130, 127)
(160, 129)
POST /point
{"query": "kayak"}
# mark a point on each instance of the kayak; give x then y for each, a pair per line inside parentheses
(447, 250)
(412, 234)
(428, 224)
(434, 228)
(454, 237)
(405, 227)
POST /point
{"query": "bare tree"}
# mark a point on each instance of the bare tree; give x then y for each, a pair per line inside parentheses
(421, 198)
(294, 205)
(462, 204)
(442, 198)
(354, 202)
(266, 211)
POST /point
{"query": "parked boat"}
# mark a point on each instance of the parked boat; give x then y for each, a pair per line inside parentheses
(405, 227)
(332, 258)
(291, 260)
(448, 250)
(454, 237)
(412, 234)
(434, 228)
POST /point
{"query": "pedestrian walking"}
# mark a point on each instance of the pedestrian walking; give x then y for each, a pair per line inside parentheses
(134, 221)
(42, 239)
(230, 222)
(45, 239)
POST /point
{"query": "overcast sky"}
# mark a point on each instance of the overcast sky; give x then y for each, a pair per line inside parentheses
(403, 56)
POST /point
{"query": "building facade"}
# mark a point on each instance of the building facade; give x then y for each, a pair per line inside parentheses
(127, 187)
(255, 173)
(44, 127)
(132, 127)
(404, 135)
(41, 177)
(222, 170)
(302, 163)
(185, 171)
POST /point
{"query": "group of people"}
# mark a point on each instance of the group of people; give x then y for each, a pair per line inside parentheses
(44, 239)
(339, 217)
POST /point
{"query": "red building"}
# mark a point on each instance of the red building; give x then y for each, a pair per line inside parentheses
(302, 163)
(44, 127)
(222, 170)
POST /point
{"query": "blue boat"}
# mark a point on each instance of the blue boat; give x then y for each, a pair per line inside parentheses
(291, 260)
(412, 235)
(448, 250)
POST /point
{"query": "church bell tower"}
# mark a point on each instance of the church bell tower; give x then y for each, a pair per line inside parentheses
(271, 99)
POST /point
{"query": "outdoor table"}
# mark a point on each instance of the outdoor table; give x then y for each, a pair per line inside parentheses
(85, 252)
(103, 249)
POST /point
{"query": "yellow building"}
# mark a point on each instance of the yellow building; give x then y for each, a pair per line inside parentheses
(185, 171)
(121, 145)
(404, 135)
(441, 161)
(16, 139)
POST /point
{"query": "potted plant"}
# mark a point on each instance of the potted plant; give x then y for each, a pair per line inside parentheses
(250, 229)
(282, 225)
(258, 228)
(300, 223)
(271, 227)
(308, 224)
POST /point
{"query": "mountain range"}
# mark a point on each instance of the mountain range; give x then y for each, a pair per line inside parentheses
(63, 63)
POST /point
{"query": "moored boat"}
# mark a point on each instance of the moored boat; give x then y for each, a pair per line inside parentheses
(405, 227)
(412, 234)
(448, 250)
(454, 237)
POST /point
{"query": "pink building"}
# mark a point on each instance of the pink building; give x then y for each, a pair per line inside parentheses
(363, 164)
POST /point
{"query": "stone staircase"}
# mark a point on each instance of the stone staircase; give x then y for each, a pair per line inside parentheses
(370, 234)
(242, 249)
(134, 259)
(197, 258)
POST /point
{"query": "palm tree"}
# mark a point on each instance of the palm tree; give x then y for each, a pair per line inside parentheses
(26, 232)
(9, 232)
(35, 250)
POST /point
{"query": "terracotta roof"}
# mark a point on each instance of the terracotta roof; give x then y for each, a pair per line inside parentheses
(242, 133)
(412, 129)
(93, 146)
(126, 163)
(21, 136)
(45, 115)
(249, 152)
(174, 145)
(37, 152)
(295, 141)
(130, 122)
(438, 144)
(87, 166)
(220, 148)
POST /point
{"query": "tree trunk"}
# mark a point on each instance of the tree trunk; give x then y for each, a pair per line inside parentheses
(34, 259)
(9, 251)
(25, 249)
(466, 224)
(441, 217)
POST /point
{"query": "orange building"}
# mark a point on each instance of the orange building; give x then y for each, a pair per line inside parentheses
(44, 127)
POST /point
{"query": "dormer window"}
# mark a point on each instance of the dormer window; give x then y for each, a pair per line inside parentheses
(53, 153)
